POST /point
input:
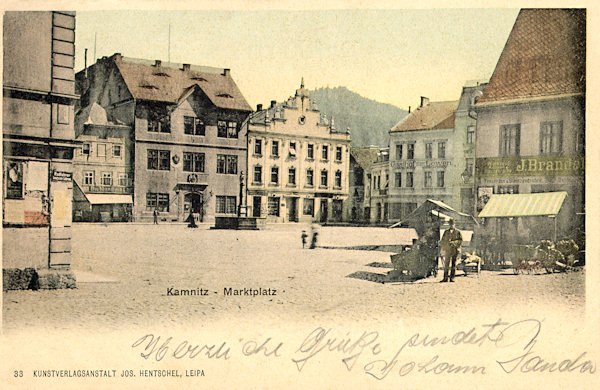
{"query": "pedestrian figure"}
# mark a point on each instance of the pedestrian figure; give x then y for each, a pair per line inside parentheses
(155, 214)
(303, 236)
(313, 237)
(191, 221)
(451, 243)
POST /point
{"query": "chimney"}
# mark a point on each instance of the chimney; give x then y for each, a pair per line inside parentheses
(226, 72)
(117, 56)
(424, 101)
(259, 107)
(273, 103)
(157, 63)
(409, 109)
(186, 67)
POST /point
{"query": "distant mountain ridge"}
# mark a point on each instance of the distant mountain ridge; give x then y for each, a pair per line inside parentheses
(369, 121)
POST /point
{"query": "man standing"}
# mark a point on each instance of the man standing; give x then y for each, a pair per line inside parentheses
(451, 243)
(155, 214)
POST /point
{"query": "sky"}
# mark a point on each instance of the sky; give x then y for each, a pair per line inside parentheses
(388, 55)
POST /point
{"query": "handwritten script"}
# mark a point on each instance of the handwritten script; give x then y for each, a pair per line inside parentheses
(507, 346)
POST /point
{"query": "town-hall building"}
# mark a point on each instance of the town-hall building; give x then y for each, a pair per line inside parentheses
(189, 148)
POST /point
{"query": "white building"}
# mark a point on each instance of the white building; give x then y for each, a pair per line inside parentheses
(298, 163)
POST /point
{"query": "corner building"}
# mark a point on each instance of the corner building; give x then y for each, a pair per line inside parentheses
(297, 163)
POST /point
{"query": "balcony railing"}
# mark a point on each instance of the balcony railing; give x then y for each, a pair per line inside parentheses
(88, 189)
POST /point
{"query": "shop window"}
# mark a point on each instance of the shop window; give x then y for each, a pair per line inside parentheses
(158, 201)
(225, 204)
(309, 207)
(14, 180)
(273, 206)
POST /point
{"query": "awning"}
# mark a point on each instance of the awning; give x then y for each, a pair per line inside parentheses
(109, 199)
(523, 205)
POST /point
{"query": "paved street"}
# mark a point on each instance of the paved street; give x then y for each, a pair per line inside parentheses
(125, 271)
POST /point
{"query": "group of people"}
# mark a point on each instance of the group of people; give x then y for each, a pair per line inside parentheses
(313, 238)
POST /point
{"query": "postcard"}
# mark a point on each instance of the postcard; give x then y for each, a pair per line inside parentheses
(282, 195)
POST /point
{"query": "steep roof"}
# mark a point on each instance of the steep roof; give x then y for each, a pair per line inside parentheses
(434, 115)
(365, 157)
(544, 56)
(148, 80)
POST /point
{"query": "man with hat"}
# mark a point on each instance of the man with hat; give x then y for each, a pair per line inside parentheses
(451, 243)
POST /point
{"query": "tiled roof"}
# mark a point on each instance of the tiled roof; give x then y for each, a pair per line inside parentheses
(365, 157)
(434, 115)
(169, 82)
(543, 56)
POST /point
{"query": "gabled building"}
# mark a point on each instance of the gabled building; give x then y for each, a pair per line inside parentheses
(38, 143)
(189, 142)
(531, 128)
(421, 157)
(298, 163)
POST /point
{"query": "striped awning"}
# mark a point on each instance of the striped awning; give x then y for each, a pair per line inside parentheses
(523, 205)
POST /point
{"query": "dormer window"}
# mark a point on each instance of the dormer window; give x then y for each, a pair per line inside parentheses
(148, 86)
(198, 78)
(225, 95)
(161, 74)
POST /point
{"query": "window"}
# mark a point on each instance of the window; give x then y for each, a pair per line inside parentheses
(514, 189)
(510, 139)
(273, 205)
(324, 178)
(338, 179)
(292, 149)
(257, 174)
(580, 147)
(159, 125)
(428, 150)
(292, 176)
(310, 151)
(116, 149)
(106, 179)
(410, 151)
(398, 151)
(398, 179)
(275, 148)
(86, 148)
(14, 179)
(469, 164)
(193, 162)
(309, 177)
(275, 175)
(101, 152)
(227, 164)
(88, 178)
(157, 201)
(258, 146)
(193, 126)
(427, 182)
(409, 179)
(470, 134)
(324, 152)
(551, 138)
(440, 179)
(338, 153)
(159, 160)
(123, 179)
(442, 149)
(225, 204)
(309, 207)
(227, 129)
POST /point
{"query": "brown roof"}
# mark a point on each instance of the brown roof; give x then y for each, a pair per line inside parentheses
(434, 115)
(543, 56)
(365, 157)
(168, 82)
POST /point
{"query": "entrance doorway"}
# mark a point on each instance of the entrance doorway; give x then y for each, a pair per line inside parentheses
(323, 210)
(292, 204)
(256, 206)
(193, 202)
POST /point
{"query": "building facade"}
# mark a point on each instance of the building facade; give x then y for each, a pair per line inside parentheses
(297, 163)
(102, 168)
(421, 158)
(361, 159)
(377, 184)
(38, 139)
(531, 123)
(189, 142)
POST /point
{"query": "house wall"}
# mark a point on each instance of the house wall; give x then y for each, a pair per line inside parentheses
(404, 199)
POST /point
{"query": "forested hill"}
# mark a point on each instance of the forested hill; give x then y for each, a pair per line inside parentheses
(369, 121)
